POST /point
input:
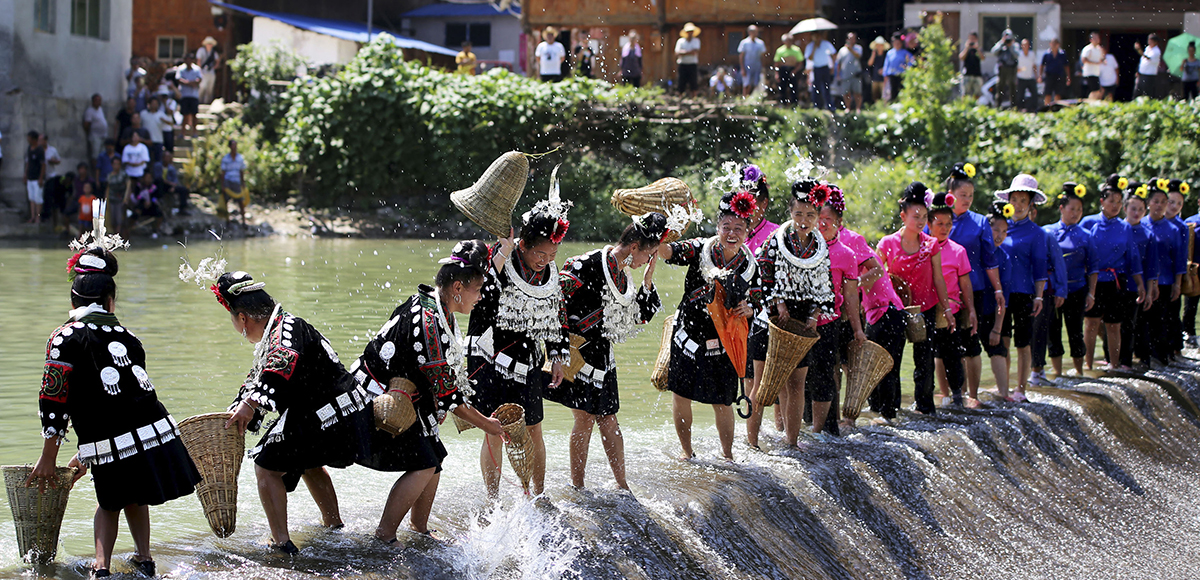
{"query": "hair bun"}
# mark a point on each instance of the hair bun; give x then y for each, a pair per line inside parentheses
(962, 171)
(93, 260)
(468, 254)
(652, 225)
(914, 193)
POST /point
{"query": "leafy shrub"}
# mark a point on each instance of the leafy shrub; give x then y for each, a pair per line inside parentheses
(267, 175)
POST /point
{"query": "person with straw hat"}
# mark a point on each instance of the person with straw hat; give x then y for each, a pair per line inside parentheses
(879, 48)
(687, 58)
(701, 369)
(420, 343)
(297, 374)
(95, 381)
(604, 307)
(209, 60)
(521, 308)
(1026, 247)
(1118, 266)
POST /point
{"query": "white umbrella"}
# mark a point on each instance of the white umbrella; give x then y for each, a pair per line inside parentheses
(813, 25)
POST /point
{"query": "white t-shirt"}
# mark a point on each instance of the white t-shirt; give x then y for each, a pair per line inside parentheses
(721, 83)
(232, 166)
(820, 54)
(550, 57)
(687, 44)
(1025, 64)
(1108, 71)
(95, 116)
(1149, 63)
(154, 124)
(52, 155)
(133, 154)
(1093, 59)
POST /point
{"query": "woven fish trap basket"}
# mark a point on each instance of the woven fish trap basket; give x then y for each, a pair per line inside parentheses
(659, 196)
(37, 516)
(787, 344)
(217, 453)
(940, 320)
(576, 363)
(915, 329)
(394, 412)
(490, 201)
(520, 445)
(461, 424)
(868, 364)
(662, 365)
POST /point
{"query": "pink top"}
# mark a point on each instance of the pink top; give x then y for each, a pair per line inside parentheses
(843, 264)
(915, 269)
(881, 295)
(760, 235)
(954, 264)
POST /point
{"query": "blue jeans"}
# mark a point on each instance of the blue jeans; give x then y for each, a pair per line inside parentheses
(822, 99)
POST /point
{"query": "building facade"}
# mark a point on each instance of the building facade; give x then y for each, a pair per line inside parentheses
(495, 34)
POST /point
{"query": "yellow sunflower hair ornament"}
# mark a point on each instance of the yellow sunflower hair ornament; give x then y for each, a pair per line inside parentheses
(969, 170)
(1184, 188)
(1009, 210)
(1122, 183)
(1162, 183)
(1142, 191)
(1080, 190)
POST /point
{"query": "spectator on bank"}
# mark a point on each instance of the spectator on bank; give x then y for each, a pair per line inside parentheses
(135, 126)
(84, 200)
(897, 61)
(819, 55)
(1055, 73)
(95, 127)
(787, 57)
(465, 59)
(55, 193)
(584, 55)
(550, 54)
(631, 60)
(879, 48)
(171, 107)
(1146, 84)
(155, 120)
(83, 175)
(972, 68)
(135, 158)
(53, 159)
(1189, 73)
(35, 176)
(116, 191)
(188, 76)
(1005, 50)
(1092, 57)
(687, 59)
(1110, 75)
(750, 58)
(721, 83)
(144, 201)
(912, 42)
(174, 186)
(104, 165)
(233, 183)
(132, 75)
(125, 116)
(847, 74)
(1027, 75)
(209, 60)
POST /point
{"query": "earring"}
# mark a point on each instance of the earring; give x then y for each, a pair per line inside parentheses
(458, 298)
(629, 260)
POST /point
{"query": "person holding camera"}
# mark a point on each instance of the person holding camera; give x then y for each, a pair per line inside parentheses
(972, 68)
(1006, 54)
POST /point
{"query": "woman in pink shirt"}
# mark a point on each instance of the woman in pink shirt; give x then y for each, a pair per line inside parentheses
(844, 266)
(956, 271)
(755, 181)
(913, 256)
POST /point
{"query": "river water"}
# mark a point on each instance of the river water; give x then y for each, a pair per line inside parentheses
(1096, 478)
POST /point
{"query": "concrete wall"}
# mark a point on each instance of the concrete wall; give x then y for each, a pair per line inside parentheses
(506, 35)
(1191, 23)
(1046, 15)
(46, 81)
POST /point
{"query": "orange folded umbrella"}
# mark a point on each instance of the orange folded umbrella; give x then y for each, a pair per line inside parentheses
(732, 330)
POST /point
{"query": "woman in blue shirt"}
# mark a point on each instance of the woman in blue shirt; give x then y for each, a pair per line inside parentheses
(1056, 293)
(1075, 244)
(998, 329)
(1117, 265)
(1026, 249)
(1170, 264)
(1143, 240)
(1175, 201)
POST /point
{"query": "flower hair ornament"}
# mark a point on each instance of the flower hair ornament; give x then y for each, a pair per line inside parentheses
(1122, 183)
(1184, 188)
(553, 207)
(741, 204)
(962, 171)
(1008, 211)
(1162, 184)
(83, 263)
(804, 168)
(837, 198)
(679, 217)
(1142, 191)
(939, 201)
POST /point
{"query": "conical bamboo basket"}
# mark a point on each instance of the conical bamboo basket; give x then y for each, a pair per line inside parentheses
(786, 347)
(868, 364)
(915, 329)
(489, 202)
(659, 196)
(520, 445)
(217, 453)
(37, 516)
(662, 364)
(394, 412)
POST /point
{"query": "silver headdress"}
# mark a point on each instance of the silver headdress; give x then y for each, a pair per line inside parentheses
(99, 236)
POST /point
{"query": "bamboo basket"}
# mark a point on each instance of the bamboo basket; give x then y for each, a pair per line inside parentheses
(662, 364)
(37, 516)
(940, 320)
(461, 424)
(394, 412)
(902, 289)
(576, 363)
(868, 364)
(786, 347)
(489, 202)
(659, 196)
(217, 453)
(915, 329)
(520, 445)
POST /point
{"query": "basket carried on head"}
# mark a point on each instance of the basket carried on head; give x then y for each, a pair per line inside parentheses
(217, 453)
(868, 364)
(520, 445)
(787, 344)
(659, 196)
(37, 516)
(662, 364)
(489, 202)
(394, 412)
(576, 363)
(914, 328)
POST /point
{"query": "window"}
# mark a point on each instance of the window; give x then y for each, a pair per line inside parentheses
(994, 26)
(172, 48)
(735, 38)
(43, 15)
(479, 33)
(90, 18)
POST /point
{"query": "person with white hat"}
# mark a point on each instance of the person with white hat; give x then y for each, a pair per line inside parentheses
(209, 60)
(687, 58)
(1026, 248)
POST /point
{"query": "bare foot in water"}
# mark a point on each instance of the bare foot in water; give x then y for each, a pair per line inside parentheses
(973, 403)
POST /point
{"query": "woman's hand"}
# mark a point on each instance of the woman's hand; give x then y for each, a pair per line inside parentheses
(784, 315)
(556, 375)
(1089, 303)
(241, 417)
(811, 323)
(859, 336)
(1059, 301)
(507, 244)
(743, 310)
(1037, 306)
(1175, 290)
(43, 474)
(492, 426)
(973, 323)
(80, 469)
(994, 337)
(648, 277)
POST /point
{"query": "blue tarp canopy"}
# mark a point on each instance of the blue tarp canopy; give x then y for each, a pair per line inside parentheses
(352, 31)
(454, 10)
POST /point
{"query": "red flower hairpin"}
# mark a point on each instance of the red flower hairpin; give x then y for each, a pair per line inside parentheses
(820, 194)
(71, 263)
(743, 204)
(217, 292)
(560, 230)
(950, 199)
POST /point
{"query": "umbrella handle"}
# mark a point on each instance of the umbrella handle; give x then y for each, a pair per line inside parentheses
(742, 398)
